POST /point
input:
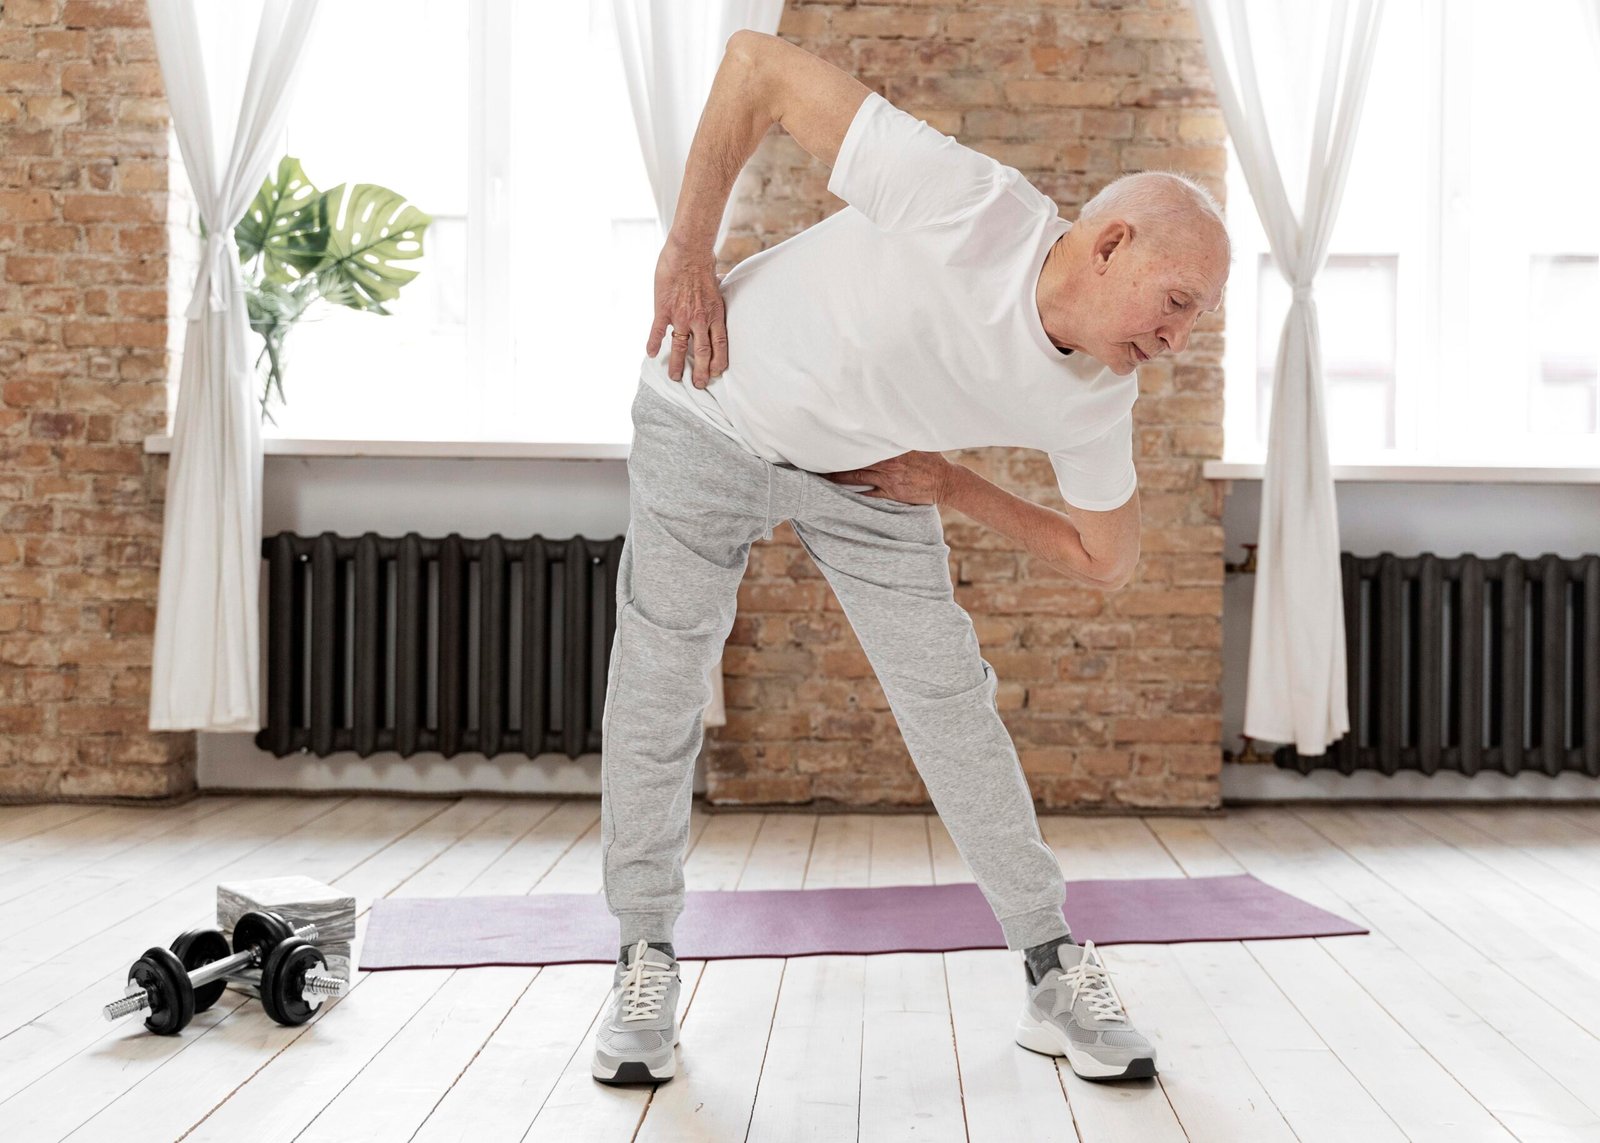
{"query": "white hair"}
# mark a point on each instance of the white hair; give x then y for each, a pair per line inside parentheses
(1165, 201)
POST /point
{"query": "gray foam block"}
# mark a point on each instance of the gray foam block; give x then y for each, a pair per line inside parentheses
(299, 900)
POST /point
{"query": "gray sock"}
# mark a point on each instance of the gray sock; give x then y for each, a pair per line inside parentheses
(1042, 958)
(664, 946)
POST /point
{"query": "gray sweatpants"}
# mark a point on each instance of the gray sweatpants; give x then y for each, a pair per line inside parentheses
(698, 500)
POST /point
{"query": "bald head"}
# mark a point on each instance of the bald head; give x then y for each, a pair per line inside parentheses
(1147, 256)
(1176, 211)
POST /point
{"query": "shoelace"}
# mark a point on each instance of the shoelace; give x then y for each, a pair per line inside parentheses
(644, 987)
(1090, 978)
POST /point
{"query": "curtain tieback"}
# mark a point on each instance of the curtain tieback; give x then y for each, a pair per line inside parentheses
(208, 286)
(1302, 293)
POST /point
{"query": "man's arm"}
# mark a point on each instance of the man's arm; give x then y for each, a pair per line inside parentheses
(1095, 549)
(762, 80)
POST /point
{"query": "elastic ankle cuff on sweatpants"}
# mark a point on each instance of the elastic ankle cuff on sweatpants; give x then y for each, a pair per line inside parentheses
(638, 927)
(1024, 930)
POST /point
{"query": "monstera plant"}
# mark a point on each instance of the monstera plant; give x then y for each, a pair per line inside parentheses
(298, 244)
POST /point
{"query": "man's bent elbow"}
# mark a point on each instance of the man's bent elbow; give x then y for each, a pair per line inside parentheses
(1119, 576)
(1099, 576)
(1118, 583)
(746, 49)
(744, 42)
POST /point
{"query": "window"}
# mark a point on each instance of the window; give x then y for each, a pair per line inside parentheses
(1565, 312)
(1460, 305)
(1356, 295)
(508, 123)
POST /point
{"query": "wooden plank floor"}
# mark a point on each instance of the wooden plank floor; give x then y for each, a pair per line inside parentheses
(1471, 1013)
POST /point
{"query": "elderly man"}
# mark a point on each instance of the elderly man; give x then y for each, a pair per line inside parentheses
(947, 306)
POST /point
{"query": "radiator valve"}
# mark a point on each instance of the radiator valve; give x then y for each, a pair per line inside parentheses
(1249, 756)
(1246, 568)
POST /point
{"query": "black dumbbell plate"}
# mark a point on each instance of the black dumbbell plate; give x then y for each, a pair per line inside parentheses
(283, 977)
(260, 931)
(163, 977)
(196, 949)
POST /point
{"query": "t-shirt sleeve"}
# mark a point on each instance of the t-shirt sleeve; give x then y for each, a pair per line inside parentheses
(1098, 475)
(902, 173)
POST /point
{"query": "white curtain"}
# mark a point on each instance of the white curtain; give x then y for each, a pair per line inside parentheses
(205, 669)
(1591, 17)
(1268, 59)
(671, 50)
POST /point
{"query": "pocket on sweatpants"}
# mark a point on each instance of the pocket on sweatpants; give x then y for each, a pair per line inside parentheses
(884, 503)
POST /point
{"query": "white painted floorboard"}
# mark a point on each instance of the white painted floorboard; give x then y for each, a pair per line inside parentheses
(1471, 1013)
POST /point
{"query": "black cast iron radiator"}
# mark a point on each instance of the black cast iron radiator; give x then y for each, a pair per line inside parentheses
(1468, 664)
(437, 644)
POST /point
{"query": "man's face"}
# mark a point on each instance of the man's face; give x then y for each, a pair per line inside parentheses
(1148, 295)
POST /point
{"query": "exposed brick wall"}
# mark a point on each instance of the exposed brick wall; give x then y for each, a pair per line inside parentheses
(1112, 699)
(83, 367)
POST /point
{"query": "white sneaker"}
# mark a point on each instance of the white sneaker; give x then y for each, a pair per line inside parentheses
(636, 1037)
(1076, 1012)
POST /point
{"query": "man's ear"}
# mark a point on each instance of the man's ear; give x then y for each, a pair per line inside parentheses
(1114, 236)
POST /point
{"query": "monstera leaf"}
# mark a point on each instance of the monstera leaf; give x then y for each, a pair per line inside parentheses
(342, 246)
(379, 228)
(282, 225)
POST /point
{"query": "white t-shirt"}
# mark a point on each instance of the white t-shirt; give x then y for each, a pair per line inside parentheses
(908, 321)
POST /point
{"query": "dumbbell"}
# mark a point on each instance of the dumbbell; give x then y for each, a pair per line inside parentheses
(294, 978)
(262, 931)
(189, 977)
(295, 982)
(175, 983)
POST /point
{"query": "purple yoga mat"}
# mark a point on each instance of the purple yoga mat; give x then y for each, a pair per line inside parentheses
(576, 928)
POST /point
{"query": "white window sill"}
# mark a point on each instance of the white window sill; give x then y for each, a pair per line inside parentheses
(1425, 473)
(462, 450)
(582, 450)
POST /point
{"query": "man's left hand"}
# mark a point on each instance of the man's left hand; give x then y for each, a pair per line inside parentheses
(911, 477)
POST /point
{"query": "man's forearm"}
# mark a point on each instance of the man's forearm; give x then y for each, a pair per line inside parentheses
(1043, 532)
(732, 124)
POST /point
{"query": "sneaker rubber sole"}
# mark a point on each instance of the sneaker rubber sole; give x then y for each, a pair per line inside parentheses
(1047, 1039)
(635, 1071)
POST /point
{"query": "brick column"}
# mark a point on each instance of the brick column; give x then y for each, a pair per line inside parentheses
(83, 357)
